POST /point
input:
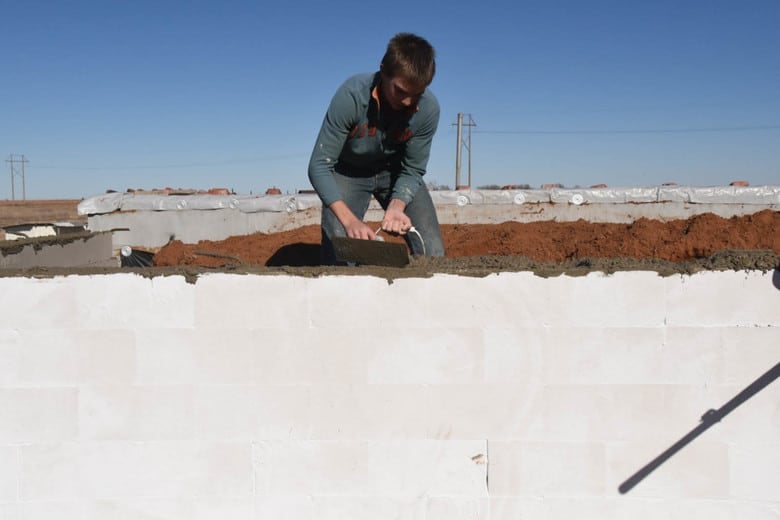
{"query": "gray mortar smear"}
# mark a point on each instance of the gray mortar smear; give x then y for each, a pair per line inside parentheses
(12, 247)
(478, 266)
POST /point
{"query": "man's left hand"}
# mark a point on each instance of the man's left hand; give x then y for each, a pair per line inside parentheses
(395, 220)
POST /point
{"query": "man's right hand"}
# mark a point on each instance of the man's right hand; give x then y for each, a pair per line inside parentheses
(358, 229)
(354, 227)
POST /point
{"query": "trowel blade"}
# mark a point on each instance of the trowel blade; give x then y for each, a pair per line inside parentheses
(370, 252)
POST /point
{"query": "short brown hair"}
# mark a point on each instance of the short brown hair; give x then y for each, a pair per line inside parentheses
(410, 57)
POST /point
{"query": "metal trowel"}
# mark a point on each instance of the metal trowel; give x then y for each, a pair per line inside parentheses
(370, 252)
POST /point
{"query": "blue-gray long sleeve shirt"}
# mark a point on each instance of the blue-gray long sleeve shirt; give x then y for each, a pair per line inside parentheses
(359, 138)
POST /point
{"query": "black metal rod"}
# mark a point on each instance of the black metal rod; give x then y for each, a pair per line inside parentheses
(707, 420)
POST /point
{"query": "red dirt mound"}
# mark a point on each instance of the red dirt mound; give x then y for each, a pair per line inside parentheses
(675, 241)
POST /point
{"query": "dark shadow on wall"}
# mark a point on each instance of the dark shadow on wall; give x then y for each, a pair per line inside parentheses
(296, 255)
(776, 279)
(710, 418)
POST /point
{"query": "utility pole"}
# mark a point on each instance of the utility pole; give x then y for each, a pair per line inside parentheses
(11, 160)
(460, 145)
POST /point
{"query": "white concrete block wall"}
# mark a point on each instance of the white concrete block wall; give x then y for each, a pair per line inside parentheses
(504, 397)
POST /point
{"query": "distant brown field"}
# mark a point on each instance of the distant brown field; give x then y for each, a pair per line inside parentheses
(13, 212)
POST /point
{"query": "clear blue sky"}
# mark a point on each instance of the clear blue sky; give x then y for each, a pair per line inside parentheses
(139, 94)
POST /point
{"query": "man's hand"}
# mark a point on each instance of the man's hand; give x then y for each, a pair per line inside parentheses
(358, 229)
(354, 227)
(395, 220)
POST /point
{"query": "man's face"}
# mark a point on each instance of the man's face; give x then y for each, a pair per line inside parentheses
(399, 93)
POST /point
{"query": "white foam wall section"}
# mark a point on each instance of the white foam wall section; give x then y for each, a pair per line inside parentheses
(504, 397)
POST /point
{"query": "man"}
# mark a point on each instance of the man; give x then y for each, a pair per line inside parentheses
(376, 140)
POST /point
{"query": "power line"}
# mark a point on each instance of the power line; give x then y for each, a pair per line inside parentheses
(14, 173)
(463, 144)
(643, 131)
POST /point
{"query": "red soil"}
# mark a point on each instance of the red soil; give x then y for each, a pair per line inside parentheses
(675, 241)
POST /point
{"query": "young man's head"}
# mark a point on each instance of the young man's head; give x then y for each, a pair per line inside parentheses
(407, 69)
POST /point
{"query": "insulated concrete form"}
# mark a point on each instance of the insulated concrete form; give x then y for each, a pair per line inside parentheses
(508, 396)
(150, 221)
(84, 250)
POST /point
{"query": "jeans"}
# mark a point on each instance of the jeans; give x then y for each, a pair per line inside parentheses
(356, 193)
